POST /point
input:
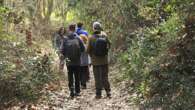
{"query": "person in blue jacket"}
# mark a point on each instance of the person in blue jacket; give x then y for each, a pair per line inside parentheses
(80, 29)
(84, 68)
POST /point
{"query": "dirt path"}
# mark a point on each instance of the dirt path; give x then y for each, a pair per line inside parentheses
(58, 99)
(56, 96)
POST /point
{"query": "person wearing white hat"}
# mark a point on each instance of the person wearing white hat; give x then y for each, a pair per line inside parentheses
(98, 47)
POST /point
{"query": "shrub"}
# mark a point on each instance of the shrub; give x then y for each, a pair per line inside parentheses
(160, 62)
(23, 73)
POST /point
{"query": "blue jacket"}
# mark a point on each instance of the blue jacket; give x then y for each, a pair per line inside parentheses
(81, 31)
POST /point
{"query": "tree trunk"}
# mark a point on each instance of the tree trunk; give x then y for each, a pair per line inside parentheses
(48, 8)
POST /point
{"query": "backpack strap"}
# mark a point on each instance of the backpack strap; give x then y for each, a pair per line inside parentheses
(94, 36)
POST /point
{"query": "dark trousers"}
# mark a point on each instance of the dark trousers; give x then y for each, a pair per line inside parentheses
(61, 65)
(101, 78)
(84, 75)
(74, 79)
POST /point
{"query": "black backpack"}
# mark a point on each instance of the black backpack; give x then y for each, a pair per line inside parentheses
(71, 49)
(100, 45)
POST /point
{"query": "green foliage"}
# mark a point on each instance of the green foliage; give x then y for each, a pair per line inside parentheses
(158, 25)
(2, 15)
(149, 31)
(156, 60)
(23, 73)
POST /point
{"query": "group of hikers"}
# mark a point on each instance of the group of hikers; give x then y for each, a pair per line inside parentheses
(80, 50)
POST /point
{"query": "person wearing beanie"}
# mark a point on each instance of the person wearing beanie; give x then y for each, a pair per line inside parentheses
(97, 26)
(98, 46)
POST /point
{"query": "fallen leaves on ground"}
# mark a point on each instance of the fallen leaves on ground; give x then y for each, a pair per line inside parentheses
(58, 99)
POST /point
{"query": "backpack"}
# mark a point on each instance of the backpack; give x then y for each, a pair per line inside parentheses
(100, 46)
(71, 49)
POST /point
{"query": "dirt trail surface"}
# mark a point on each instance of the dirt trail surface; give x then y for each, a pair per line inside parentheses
(57, 98)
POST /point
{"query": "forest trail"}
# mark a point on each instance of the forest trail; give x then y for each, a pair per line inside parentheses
(153, 41)
(57, 97)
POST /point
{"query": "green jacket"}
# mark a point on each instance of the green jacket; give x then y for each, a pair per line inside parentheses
(96, 60)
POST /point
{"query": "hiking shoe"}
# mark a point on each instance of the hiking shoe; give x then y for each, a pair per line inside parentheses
(77, 94)
(83, 87)
(108, 95)
(72, 95)
(98, 97)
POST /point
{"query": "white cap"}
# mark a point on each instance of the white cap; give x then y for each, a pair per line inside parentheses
(97, 26)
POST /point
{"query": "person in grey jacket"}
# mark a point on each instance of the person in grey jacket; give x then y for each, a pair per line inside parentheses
(57, 42)
(85, 62)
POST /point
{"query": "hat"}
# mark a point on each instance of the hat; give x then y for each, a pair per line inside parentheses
(97, 26)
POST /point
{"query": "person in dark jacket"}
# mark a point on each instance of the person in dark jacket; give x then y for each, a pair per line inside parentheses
(73, 65)
(100, 63)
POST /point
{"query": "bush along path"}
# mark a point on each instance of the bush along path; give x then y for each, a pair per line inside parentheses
(56, 97)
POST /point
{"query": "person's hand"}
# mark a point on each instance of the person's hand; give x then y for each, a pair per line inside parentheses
(90, 65)
(61, 56)
(58, 52)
